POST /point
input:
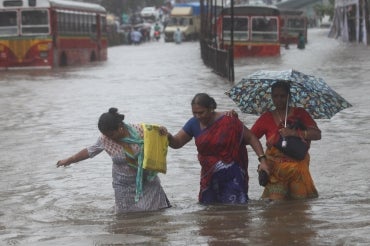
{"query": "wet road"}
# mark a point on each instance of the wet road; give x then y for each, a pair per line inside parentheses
(47, 115)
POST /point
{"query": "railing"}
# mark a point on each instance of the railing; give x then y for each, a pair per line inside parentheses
(221, 61)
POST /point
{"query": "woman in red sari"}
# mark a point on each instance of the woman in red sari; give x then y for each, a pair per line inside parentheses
(221, 143)
(289, 178)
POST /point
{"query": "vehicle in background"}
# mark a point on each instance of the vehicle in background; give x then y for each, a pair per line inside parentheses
(51, 33)
(115, 35)
(186, 17)
(293, 22)
(150, 13)
(256, 30)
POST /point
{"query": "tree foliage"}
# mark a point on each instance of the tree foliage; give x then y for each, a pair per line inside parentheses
(321, 10)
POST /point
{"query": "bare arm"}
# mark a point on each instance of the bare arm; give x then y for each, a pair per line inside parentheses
(180, 139)
(80, 156)
(253, 141)
(312, 134)
(309, 134)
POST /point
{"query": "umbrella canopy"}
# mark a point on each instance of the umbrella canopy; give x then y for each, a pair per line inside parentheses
(253, 93)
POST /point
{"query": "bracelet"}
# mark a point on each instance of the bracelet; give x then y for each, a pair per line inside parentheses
(260, 157)
(305, 134)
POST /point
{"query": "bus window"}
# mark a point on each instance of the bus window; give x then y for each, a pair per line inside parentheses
(60, 22)
(294, 23)
(93, 24)
(173, 22)
(86, 23)
(240, 28)
(75, 22)
(35, 22)
(264, 29)
(13, 3)
(8, 23)
(103, 24)
(184, 22)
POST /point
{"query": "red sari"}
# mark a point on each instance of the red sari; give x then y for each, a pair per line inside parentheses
(222, 153)
(290, 178)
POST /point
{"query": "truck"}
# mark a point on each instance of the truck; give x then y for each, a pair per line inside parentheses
(186, 18)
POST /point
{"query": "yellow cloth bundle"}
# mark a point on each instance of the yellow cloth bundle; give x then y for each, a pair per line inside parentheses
(155, 149)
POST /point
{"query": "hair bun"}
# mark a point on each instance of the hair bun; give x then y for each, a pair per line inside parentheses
(113, 110)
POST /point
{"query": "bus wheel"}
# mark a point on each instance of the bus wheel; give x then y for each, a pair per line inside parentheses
(92, 57)
(63, 60)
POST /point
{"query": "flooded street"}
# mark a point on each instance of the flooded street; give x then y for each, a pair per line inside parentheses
(48, 115)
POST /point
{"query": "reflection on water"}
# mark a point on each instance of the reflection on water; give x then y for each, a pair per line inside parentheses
(225, 225)
(47, 115)
(288, 222)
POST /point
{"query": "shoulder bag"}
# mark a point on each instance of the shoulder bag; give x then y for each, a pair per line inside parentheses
(295, 147)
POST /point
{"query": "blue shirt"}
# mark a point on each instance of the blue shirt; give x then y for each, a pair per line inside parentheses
(192, 127)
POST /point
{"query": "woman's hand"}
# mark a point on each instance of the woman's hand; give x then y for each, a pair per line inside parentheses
(285, 132)
(163, 130)
(264, 166)
(232, 113)
(80, 156)
(65, 162)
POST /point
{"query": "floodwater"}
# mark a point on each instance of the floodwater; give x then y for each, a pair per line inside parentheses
(48, 115)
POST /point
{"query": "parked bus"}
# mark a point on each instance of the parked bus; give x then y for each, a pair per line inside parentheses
(256, 30)
(293, 22)
(51, 33)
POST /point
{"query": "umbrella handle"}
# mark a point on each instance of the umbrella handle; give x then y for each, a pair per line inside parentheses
(286, 110)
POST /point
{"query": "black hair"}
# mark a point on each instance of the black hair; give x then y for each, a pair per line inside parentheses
(283, 84)
(204, 100)
(110, 121)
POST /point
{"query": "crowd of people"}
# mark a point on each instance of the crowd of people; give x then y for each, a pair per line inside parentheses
(136, 29)
(221, 140)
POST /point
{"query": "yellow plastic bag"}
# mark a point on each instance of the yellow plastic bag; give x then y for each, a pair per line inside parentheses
(155, 149)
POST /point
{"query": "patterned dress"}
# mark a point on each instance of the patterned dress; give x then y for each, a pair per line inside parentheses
(290, 178)
(153, 196)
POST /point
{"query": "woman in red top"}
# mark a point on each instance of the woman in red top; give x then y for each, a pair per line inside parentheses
(289, 178)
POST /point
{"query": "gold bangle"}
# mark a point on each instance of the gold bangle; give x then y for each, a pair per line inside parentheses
(305, 134)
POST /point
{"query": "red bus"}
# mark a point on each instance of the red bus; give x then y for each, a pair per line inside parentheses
(293, 22)
(51, 33)
(256, 30)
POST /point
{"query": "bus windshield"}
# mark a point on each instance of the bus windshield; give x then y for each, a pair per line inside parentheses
(179, 21)
(8, 23)
(240, 28)
(35, 22)
(264, 29)
(296, 23)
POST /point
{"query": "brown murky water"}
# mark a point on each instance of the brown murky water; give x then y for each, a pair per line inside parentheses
(47, 115)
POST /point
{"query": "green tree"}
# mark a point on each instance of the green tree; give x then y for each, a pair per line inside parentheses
(321, 10)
